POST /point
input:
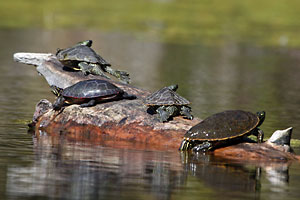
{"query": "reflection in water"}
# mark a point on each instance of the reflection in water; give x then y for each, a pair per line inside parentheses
(79, 171)
(222, 175)
(213, 78)
(225, 176)
(74, 170)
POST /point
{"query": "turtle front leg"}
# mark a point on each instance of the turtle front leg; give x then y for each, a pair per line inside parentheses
(59, 102)
(185, 145)
(163, 115)
(186, 111)
(205, 146)
(260, 135)
(92, 102)
(121, 75)
(165, 112)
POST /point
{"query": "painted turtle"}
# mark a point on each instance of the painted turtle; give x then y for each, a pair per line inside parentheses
(82, 57)
(167, 103)
(222, 129)
(88, 93)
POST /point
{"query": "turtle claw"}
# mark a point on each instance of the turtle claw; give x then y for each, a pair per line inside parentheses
(205, 146)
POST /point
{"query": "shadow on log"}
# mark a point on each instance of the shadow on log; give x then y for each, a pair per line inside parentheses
(123, 121)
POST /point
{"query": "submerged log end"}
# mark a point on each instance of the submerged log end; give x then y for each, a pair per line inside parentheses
(264, 152)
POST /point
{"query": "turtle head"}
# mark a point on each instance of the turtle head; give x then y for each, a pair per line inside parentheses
(86, 43)
(173, 87)
(58, 50)
(261, 115)
(56, 90)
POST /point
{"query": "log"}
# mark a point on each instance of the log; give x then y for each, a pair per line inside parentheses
(123, 122)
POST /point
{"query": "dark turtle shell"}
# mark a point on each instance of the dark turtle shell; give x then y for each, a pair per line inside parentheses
(79, 53)
(165, 96)
(222, 126)
(93, 88)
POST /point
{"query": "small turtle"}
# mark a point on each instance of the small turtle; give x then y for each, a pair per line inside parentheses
(167, 103)
(82, 57)
(223, 129)
(88, 93)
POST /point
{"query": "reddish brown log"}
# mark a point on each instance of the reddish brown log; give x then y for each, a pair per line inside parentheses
(264, 152)
(123, 122)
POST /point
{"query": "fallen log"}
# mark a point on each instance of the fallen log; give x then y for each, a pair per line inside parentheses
(117, 123)
(123, 120)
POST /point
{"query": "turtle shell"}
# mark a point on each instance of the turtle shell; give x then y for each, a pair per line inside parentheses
(93, 88)
(80, 53)
(222, 126)
(165, 96)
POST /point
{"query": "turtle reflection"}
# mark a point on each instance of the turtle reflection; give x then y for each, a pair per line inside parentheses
(225, 175)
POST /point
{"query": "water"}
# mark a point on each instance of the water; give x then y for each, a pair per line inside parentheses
(214, 78)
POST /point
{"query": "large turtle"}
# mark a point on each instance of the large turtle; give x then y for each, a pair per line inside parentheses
(82, 57)
(167, 103)
(222, 129)
(88, 93)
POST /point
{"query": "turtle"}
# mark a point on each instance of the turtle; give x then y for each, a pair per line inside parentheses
(223, 128)
(88, 93)
(82, 57)
(167, 103)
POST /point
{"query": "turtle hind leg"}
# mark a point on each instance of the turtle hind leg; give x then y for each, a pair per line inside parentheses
(92, 102)
(97, 70)
(186, 111)
(85, 68)
(204, 147)
(128, 96)
(121, 75)
(91, 69)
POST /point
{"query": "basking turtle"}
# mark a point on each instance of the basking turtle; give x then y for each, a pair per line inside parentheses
(88, 93)
(82, 57)
(167, 103)
(222, 129)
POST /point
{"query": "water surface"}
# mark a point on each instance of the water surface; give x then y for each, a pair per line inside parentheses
(213, 77)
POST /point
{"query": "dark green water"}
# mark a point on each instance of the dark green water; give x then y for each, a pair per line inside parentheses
(224, 55)
(214, 78)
